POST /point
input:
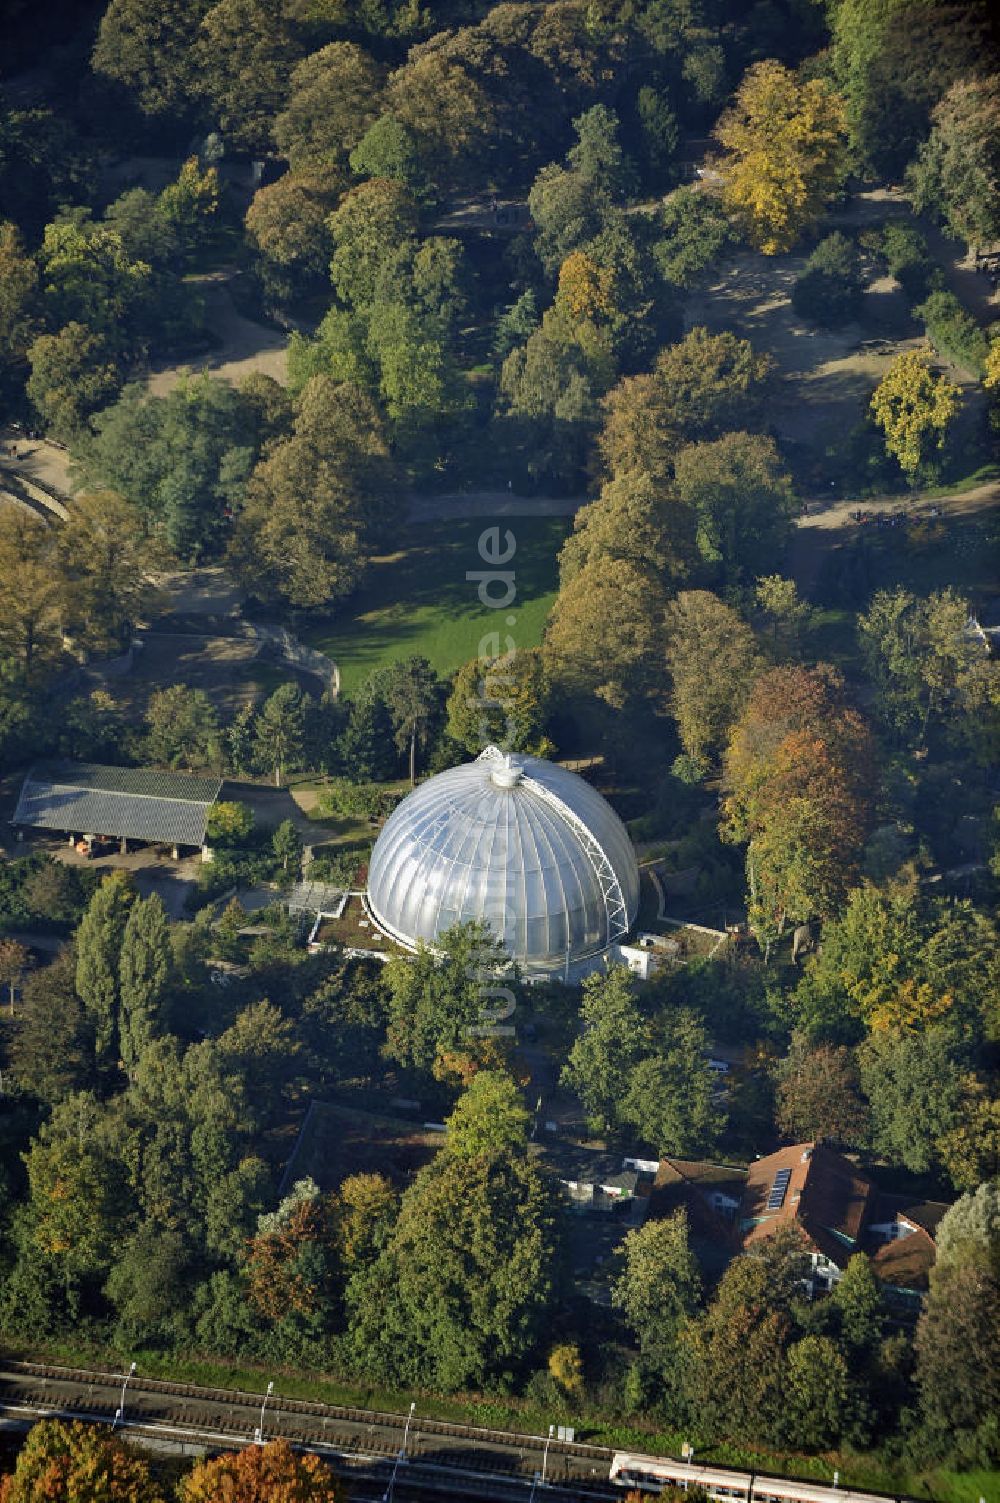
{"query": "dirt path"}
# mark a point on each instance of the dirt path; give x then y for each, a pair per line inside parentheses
(244, 347)
(825, 528)
(458, 506)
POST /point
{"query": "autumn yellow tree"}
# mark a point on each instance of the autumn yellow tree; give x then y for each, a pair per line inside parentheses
(261, 1474)
(786, 147)
(913, 407)
(77, 1463)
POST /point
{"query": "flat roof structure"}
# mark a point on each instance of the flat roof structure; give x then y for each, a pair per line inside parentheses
(130, 803)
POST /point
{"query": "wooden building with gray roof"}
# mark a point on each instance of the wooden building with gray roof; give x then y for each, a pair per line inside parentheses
(83, 799)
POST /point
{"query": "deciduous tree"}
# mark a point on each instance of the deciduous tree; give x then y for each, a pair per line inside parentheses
(659, 1286)
(819, 1095)
(786, 145)
(68, 1460)
(914, 408)
(273, 1472)
(144, 975)
(613, 1038)
(501, 701)
(335, 96)
(183, 728)
(605, 634)
(98, 947)
(712, 658)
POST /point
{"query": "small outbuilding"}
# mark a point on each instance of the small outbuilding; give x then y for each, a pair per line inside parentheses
(83, 800)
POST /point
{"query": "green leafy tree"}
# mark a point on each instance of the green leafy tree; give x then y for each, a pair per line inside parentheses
(74, 373)
(464, 1287)
(438, 1002)
(98, 947)
(659, 1286)
(670, 1097)
(388, 149)
(613, 1038)
(697, 233)
(78, 1196)
(106, 561)
(18, 295)
(817, 1393)
(737, 1348)
(857, 1298)
(182, 728)
(410, 692)
(318, 502)
(229, 823)
(279, 732)
(447, 112)
(955, 174)
(969, 1231)
(144, 977)
(245, 53)
(52, 1051)
(371, 226)
(31, 594)
(181, 459)
(703, 386)
(148, 46)
(742, 500)
(287, 224)
(634, 520)
(334, 98)
(958, 1357)
(490, 1117)
(914, 1084)
(91, 279)
(712, 658)
(621, 606)
(286, 842)
(830, 288)
(500, 701)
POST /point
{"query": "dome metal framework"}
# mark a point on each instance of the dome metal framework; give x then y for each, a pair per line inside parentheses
(521, 843)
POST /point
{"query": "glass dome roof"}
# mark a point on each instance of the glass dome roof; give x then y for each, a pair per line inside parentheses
(522, 843)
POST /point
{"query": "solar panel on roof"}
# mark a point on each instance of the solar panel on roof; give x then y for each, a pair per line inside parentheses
(776, 1198)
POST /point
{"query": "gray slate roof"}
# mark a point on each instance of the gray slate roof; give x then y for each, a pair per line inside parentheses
(136, 802)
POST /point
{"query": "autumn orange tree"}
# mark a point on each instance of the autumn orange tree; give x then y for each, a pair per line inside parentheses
(77, 1463)
(290, 1262)
(261, 1474)
(797, 772)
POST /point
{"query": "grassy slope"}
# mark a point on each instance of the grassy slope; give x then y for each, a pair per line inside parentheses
(417, 599)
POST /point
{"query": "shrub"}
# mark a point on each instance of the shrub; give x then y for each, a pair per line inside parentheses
(342, 799)
(954, 333)
(229, 824)
(907, 258)
(830, 288)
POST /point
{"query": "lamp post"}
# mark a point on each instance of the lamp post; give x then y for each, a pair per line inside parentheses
(120, 1411)
(545, 1452)
(400, 1455)
(258, 1434)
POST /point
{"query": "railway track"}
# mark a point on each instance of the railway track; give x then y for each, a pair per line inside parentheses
(443, 1459)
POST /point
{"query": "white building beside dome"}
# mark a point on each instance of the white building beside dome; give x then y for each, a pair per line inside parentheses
(518, 842)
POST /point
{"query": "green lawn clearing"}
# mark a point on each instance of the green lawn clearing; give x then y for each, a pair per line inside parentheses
(418, 601)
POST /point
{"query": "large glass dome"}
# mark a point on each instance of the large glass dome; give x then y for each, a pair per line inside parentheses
(522, 843)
